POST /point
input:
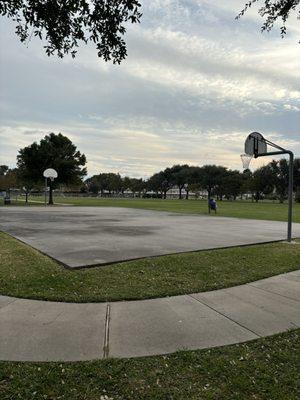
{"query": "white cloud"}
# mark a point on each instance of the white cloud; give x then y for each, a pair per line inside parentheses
(195, 83)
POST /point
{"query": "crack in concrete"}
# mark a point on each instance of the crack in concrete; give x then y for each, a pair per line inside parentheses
(8, 304)
(106, 332)
(54, 319)
(271, 292)
(225, 316)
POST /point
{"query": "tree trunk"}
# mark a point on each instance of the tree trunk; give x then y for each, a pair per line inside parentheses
(187, 195)
(180, 192)
(165, 194)
(26, 197)
(208, 198)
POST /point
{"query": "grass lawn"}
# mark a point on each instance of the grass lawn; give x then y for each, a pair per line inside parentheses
(24, 272)
(264, 369)
(241, 209)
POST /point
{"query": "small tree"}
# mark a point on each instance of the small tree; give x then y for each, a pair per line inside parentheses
(54, 151)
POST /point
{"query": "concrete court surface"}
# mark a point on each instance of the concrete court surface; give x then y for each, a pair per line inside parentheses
(86, 236)
(32, 330)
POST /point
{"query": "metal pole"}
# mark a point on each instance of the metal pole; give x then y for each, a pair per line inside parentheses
(290, 187)
(45, 192)
(290, 196)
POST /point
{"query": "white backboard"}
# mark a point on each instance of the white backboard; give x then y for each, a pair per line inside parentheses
(50, 173)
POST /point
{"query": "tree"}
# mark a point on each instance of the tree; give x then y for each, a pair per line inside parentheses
(209, 177)
(92, 185)
(273, 10)
(126, 183)
(54, 151)
(280, 172)
(297, 173)
(3, 169)
(247, 177)
(114, 183)
(179, 176)
(161, 182)
(190, 180)
(102, 180)
(136, 185)
(231, 184)
(63, 24)
(262, 182)
(8, 178)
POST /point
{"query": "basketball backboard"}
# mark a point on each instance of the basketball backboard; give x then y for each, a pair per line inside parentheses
(255, 144)
(50, 173)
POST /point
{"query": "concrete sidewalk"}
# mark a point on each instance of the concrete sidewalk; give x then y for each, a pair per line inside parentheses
(49, 331)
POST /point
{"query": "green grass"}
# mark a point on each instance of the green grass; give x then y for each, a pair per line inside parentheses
(25, 272)
(264, 369)
(241, 209)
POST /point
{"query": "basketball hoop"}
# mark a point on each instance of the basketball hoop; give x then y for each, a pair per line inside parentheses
(51, 174)
(246, 159)
(257, 146)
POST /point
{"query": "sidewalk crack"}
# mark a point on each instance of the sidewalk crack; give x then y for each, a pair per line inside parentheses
(271, 292)
(106, 333)
(225, 316)
(8, 304)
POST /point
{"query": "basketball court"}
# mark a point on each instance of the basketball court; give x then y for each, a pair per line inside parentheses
(87, 236)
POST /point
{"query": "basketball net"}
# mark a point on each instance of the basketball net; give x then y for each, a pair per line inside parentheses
(246, 159)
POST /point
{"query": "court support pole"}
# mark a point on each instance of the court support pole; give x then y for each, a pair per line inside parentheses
(45, 192)
(291, 184)
(290, 196)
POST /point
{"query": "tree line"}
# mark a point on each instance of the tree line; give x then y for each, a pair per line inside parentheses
(58, 152)
(217, 181)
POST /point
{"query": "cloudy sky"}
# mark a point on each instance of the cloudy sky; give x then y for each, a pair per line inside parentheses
(195, 84)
